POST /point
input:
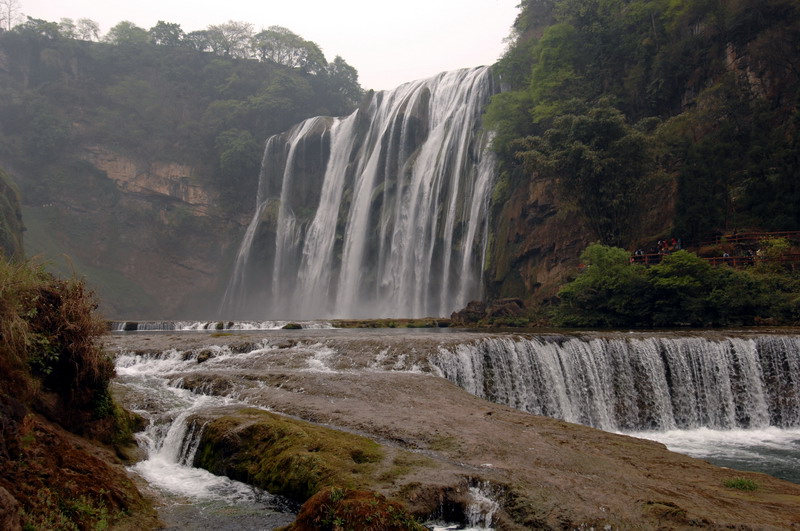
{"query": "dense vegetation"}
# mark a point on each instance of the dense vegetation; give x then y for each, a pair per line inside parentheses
(159, 95)
(682, 290)
(53, 371)
(613, 98)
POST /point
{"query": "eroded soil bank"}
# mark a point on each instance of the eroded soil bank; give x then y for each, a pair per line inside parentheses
(437, 440)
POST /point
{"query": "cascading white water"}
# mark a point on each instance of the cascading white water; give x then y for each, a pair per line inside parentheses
(732, 401)
(382, 213)
(171, 440)
(650, 383)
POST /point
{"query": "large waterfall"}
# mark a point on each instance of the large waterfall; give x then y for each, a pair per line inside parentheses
(382, 213)
(641, 383)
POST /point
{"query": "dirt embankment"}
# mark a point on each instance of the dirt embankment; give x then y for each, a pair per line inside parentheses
(545, 473)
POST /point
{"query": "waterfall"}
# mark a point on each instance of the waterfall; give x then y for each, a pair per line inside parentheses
(379, 214)
(653, 383)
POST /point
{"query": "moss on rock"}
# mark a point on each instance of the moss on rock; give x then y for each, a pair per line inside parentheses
(285, 456)
(336, 508)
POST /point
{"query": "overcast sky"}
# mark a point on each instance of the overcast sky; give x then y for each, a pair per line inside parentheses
(389, 43)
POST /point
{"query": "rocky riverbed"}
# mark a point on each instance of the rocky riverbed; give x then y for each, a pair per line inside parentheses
(438, 445)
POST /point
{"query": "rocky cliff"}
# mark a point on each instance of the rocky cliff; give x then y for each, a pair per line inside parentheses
(11, 227)
(139, 164)
(150, 239)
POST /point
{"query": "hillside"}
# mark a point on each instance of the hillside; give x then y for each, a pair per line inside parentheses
(139, 160)
(628, 121)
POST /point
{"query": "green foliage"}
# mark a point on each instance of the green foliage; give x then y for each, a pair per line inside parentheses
(608, 293)
(683, 290)
(126, 33)
(155, 95)
(55, 511)
(49, 336)
(239, 161)
(284, 47)
(166, 34)
(722, 78)
(602, 165)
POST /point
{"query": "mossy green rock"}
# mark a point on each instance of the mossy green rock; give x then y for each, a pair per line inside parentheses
(286, 456)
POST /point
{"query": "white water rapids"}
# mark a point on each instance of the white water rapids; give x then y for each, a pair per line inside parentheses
(732, 400)
(195, 499)
(151, 384)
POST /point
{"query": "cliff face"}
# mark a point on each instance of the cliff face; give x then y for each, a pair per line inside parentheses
(536, 243)
(714, 100)
(11, 227)
(149, 236)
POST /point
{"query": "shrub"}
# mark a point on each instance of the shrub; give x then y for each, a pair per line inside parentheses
(49, 341)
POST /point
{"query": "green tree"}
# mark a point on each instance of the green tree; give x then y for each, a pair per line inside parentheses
(231, 39)
(284, 47)
(166, 34)
(609, 292)
(198, 40)
(126, 33)
(682, 284)
(603, 166)
(342, 80)
(40, 28)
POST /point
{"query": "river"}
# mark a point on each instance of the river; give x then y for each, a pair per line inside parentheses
(732, 399)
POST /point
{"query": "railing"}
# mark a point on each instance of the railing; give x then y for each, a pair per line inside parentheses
(744, 237)
(732, 261)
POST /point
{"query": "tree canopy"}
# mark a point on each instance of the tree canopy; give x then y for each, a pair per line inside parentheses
(717, 82)
(682, 290)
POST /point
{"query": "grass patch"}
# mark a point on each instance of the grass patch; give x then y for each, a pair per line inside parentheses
(741, 484)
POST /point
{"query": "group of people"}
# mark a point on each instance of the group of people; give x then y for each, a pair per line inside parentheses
(661, 247)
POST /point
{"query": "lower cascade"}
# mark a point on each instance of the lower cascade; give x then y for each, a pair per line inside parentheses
(733, 400)
(379, 214)
(624, 384)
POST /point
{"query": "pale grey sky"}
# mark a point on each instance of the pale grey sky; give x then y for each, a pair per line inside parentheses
(388, 43)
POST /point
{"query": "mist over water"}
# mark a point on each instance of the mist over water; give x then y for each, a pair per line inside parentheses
(379, 214)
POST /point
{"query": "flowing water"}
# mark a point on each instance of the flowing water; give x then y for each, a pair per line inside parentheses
(151, 383)
(193, 499)
(379, 214)
(732, 399)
